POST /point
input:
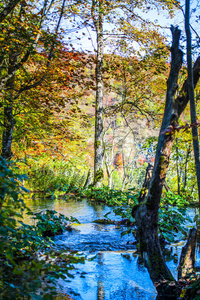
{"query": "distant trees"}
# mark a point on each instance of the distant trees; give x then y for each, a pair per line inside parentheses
(129, 27)
(56, 122)
(131, 76)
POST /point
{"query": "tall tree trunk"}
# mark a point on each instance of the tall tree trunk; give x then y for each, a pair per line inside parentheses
(146, 213)
(186, 167)
(191, 94)
(98, 142)
(177, 169)
(8, 110)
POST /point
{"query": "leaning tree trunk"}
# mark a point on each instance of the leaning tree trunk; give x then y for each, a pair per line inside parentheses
(98, 142)
(146, 213)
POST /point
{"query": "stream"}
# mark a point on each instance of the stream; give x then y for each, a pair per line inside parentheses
(113, 270)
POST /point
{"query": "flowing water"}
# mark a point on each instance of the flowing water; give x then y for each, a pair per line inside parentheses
(113, 270)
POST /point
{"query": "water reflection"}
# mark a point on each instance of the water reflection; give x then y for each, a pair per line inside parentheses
(112, 276)
(82, 210)
(100, 285)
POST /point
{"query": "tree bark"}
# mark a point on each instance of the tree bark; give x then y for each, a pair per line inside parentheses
(98, 142)
(191, 95)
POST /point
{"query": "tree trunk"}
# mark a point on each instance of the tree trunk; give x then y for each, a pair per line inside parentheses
(109, 174)
(7, 132)
(98, 143)
(166, 186)
(185, 169)
(146, 213)
(170, 119)
(146, 183)
(8, 110)
(191, 95)
(187, 259)
(88, 179)
(177, 169)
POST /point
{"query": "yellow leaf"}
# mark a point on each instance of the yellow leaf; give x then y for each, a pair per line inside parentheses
(182, 295)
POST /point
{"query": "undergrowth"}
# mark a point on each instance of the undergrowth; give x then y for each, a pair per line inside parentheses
(29, 267)
(51, 176)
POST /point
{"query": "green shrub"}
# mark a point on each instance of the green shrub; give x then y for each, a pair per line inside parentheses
(171, 223)
(110, 196)
(28, 267)
(174, 199)
(50, 224)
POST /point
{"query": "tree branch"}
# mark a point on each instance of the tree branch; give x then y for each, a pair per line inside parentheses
(11, 5)
(28, 87)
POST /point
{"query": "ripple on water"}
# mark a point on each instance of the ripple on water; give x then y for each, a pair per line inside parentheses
(93, 237)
